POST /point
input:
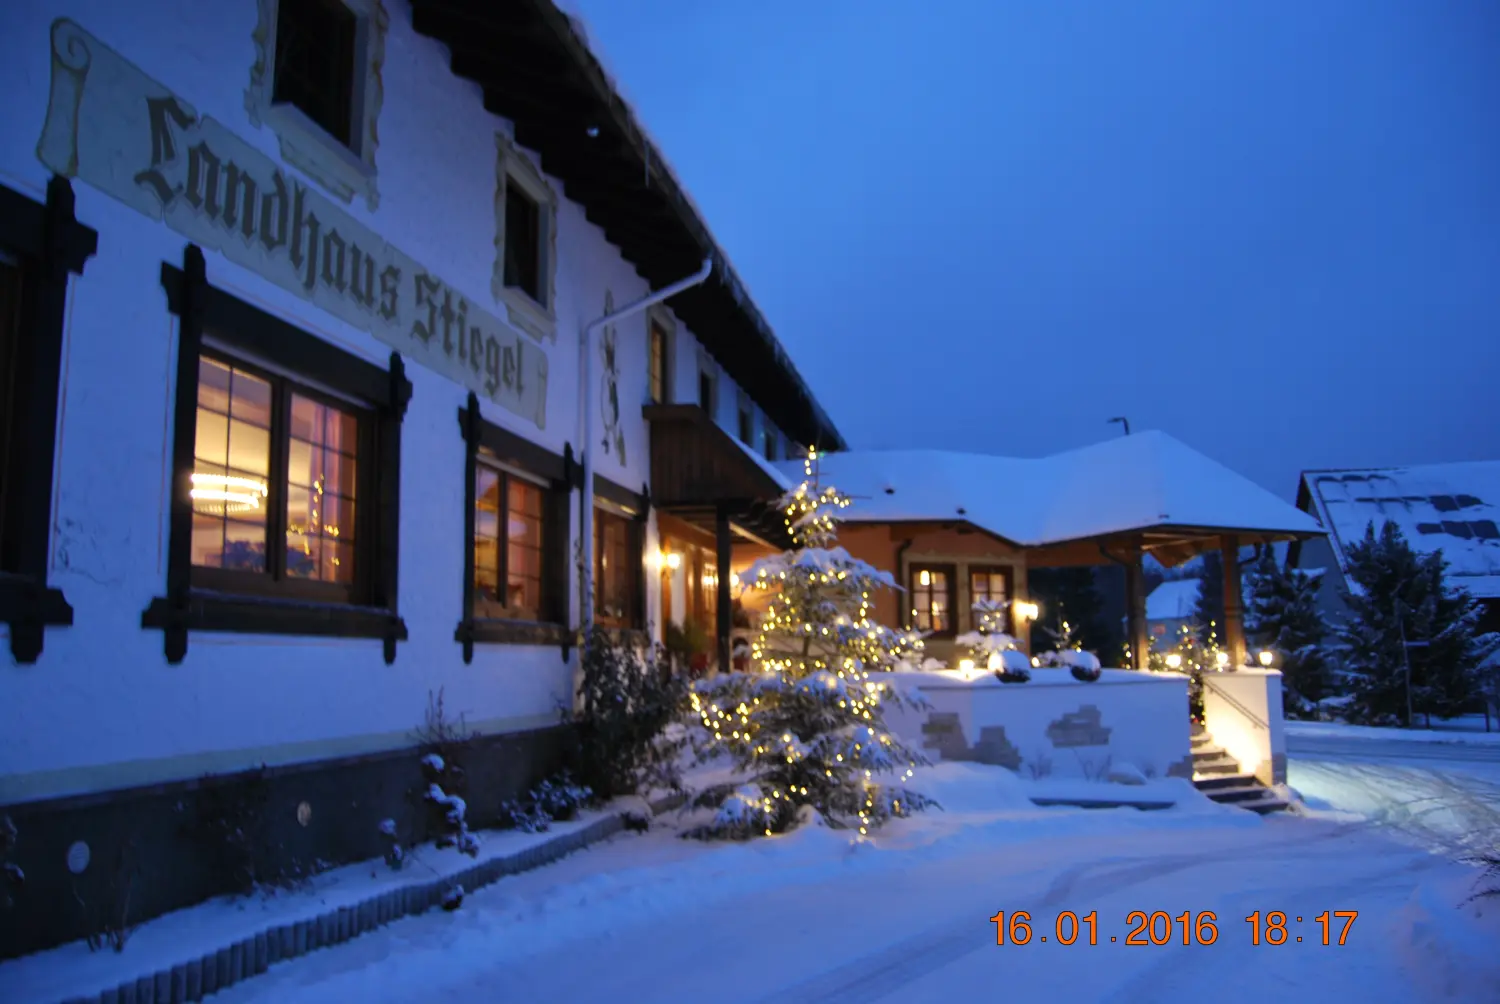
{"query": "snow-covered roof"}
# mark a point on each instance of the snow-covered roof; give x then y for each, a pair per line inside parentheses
(773, 471)
(1174, 600)
(1454, 508)
(1135, 482)
(656, 162)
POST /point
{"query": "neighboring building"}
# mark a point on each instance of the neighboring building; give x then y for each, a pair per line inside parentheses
(291, 297)
(955, 527)
(1454, 508)
(1169, 608)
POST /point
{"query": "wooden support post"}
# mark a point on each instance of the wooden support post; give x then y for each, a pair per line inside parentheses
(1234, 622)
(1135, 600)
(725, 554)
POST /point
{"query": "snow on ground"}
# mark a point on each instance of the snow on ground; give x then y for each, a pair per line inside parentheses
(812, 916)
(1465, 730)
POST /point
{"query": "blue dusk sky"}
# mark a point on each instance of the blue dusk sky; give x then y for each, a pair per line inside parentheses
(1271, 230)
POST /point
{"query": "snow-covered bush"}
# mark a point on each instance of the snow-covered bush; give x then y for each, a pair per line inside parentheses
(628, 696)
(991, 647)
(395, 854)
(444, 742)
(554, 800)
(804, 729)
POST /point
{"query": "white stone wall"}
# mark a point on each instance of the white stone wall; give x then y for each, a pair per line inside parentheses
(102, 708)
(1053, 725)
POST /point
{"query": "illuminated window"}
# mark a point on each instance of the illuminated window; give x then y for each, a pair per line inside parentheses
(931, 592)
(993, 584)
(617, 569)
(659, 377)
(275, 480)
(509, 545)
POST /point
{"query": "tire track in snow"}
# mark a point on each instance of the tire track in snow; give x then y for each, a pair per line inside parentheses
(877, 975)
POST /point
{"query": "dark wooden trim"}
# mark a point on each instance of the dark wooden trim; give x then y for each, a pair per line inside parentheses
(495, 631)
(468, 421)
(951, 570)
(621, 496)
(244, 327)
(52, 246)
(509, 448)
(293, 610)
(723, 615)
(209, 611)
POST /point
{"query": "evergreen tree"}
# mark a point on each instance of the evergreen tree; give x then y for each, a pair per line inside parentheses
(1281, 614)
(1071, 595)
(1410, 640)
(803, 729)
(1208, 611)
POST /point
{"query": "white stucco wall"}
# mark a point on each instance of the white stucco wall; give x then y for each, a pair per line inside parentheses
(1242, 711)
(102, 708)
(1142, 720)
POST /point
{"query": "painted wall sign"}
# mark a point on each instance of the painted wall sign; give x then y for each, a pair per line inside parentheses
(113, 127)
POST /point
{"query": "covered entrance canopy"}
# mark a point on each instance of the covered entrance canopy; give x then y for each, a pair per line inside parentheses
(1113, 502)
(709, 481)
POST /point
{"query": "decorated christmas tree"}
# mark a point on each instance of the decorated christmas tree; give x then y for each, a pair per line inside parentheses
(803, 728)
(992, 648)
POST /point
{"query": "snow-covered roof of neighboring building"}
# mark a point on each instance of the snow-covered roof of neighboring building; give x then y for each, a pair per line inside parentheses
(1174, 600)
(1454, 508)
(1134, 482)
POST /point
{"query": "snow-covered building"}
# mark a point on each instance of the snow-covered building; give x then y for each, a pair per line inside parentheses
(1170, 607)
(1453, 508)
(958, 527)
(296, 302)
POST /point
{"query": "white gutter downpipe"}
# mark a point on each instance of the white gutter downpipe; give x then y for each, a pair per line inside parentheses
(586, 616)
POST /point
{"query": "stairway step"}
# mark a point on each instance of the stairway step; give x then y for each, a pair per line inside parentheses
(1234, 780)
(1231, 796)
(1204, 753)
(1229, 767)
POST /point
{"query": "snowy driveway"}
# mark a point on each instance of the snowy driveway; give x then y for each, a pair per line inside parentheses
(808, 918)
(1443, 792)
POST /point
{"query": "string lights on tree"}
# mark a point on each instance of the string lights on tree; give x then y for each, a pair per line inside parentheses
(804, 728)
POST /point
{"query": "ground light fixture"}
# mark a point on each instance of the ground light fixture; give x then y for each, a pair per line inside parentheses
(1174, 661)
(1265, 657)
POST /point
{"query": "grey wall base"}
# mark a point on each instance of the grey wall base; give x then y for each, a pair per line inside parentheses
(231, 964)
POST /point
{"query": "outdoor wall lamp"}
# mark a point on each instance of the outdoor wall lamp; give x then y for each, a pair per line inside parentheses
(1027, 611)
(671, 559)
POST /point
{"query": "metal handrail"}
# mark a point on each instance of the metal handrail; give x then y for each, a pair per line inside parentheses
(1237, 705)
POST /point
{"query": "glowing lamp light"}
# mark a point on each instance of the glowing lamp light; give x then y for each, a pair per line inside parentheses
(232, 493)
(925, 578)
(734, 578)
(966, 667)
(1174, 661)
(1265, 657)
(1222, 659)
(672, 560)
(1027, 611)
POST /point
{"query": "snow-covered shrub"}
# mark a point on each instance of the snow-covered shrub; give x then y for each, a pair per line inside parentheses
(628, 697)
(395, 854)
(444, 742)
(227, 819)
(554, 800)
(453, 898)
(804, 728)
(11, 875)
